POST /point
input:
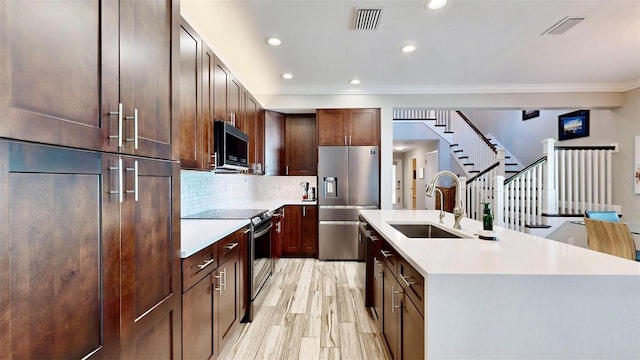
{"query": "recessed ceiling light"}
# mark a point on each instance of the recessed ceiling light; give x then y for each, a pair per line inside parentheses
(287, 76)
(409, 49)
(274, 41)
(436, 4)
(354, 82)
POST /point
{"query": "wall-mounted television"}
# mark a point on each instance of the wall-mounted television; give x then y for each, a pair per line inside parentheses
(573, 125)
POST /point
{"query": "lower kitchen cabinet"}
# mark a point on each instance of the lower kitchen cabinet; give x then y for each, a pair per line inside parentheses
(211, 307)
(301, 231)
(87, 241)
(397, 292)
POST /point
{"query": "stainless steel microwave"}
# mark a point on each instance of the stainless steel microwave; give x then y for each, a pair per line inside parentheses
(232, 147)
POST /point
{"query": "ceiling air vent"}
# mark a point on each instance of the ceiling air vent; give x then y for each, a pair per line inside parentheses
(367, 18)
(563, 25)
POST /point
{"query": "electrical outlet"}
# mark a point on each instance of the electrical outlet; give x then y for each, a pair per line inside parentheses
(571, 241)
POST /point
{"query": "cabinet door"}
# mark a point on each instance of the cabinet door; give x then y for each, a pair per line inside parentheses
(390, 311)
(59, 71)
(309, 230)
(254, 126)
(226, 303)
(150, 262)
(59, 254)
(208, 86)
(191, 125)
(332, 127)
(292, 233)
(197, 321)
(147, 31)
(274, 143)
(234, 102)
(412, 330)
(301, 148)
(221, 81)
(364, 127)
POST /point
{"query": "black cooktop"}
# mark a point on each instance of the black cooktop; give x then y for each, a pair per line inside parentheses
(227, 214)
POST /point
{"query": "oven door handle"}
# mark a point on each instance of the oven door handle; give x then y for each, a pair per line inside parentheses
(263, 231)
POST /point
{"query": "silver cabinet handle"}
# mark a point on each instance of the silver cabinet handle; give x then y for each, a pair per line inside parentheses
(205, 264)
(407, 280)
(393, 302)
(119, 191)
(286, 170)
(219, 288)
(119, 136)
(224, 275)
(246, 231)
(135, 128)
(135, 180)
(386, 254)
(393, 299)
(349, 139)
(304, 211)
(345, 139)
(374, 238)
(231, 246)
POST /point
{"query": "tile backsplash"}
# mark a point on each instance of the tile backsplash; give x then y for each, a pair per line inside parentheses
(200, 191)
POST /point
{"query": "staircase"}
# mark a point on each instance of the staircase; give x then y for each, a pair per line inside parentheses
(559, 186)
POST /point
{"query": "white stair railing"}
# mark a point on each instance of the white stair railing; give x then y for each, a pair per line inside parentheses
(583, 178)
(523, 197)
(474, 144)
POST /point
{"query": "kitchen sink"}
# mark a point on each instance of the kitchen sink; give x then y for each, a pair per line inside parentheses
(424, 231)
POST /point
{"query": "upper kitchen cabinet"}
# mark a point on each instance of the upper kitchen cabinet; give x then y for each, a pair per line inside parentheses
(344, 127)
(191, 126)
(91, 74)
(197, 64)
(301, 145)
(253, 124)
(228, 96)
(274, 143)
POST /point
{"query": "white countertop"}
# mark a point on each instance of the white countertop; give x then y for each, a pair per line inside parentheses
(514, 253)
(196, 234)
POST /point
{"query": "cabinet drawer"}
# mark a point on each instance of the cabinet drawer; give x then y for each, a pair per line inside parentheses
(229, 246)
(198, 265)
(389, 255)
(413, 284)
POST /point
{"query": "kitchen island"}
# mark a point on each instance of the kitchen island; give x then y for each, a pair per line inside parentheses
(521, 296)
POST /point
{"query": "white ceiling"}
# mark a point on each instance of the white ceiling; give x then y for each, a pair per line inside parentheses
(469, 46)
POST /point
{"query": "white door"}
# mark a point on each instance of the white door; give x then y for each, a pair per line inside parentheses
(396, 185)
(430, 170)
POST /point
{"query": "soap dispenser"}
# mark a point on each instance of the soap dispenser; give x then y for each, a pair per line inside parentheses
(487, 218)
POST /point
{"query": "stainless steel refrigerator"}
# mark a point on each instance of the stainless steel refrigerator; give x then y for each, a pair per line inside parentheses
(348, 180)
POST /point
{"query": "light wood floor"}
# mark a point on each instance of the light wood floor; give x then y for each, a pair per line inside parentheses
(309, 309)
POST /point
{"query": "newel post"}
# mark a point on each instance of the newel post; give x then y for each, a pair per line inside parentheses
(498, 201)
(549, 197)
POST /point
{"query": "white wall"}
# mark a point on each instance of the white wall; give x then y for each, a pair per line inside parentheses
(524, 138)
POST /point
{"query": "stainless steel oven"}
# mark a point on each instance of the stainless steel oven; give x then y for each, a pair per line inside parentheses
(261, 258)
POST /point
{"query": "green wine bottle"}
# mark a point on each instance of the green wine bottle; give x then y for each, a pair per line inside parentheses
(487, 218)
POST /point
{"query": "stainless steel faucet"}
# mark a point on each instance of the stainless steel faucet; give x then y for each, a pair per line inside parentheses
(441, 216)
(458, 209)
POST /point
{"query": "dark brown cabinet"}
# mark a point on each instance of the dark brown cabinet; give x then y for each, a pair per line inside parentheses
(448, 198)
(228, 96)
(274, 143)
(58, 263)
(77, 78)
(343, 127)
(301, 231)
(213, 306)
(396, 293)
(301, 145)
(254, 125)
(97, 232)
(197, 66)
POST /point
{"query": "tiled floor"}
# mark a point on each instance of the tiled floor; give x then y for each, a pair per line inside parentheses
(310, 310)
